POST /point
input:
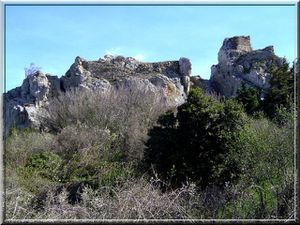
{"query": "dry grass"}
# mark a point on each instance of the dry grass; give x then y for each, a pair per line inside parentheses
(134, 199)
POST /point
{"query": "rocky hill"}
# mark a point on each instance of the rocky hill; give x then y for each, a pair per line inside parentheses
(170, 78)
(237, 64)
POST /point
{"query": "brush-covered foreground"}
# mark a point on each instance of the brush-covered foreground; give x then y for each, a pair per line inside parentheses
(121, 156)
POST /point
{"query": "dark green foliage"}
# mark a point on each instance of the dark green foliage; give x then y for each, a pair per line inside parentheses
(277, 104)
(162, 143)
(283, 116)
(194, 146)
(45, 164)
(41, 171)
(249, 97)
(281, 93)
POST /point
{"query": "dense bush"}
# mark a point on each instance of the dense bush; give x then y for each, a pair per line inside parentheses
(97, 142)
(45, 164)
(21, 143)
(266, 186)
(250, 99)
(281, 93)
(21, 147)
(126, 116)
(193, 145)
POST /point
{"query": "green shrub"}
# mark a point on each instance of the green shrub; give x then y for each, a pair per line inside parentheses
(96, 173)
(249, 97)
(45, 164)
(193, 145)
(40, 172)
(281, 92)
(22, 143)
(264, 153)
(283, 116)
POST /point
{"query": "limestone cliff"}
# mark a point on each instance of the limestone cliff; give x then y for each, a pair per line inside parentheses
(171, 78)
(238, 63)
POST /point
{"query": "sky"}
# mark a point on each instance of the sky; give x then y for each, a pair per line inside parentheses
(52, 36)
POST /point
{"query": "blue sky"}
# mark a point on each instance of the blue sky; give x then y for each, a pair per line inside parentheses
(52, 36)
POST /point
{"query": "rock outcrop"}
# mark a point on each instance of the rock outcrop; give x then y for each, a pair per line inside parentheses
(21, 103)
(239, 64)
(171, 78)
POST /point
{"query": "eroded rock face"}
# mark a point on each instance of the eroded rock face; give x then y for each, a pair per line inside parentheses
(185, 67)
(234, 47)
(239, 64)
(21, 104)
(170, 78)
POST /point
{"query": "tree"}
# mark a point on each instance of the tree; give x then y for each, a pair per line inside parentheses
(193, 144)
(249, 97)
(32, 69)
(281, 92)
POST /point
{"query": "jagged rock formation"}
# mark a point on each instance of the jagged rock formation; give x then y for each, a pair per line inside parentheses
(23, 103)
(117, 70)
(239, 64)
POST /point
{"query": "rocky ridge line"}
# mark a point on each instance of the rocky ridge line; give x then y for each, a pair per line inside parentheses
(170, 78)
(238, 64)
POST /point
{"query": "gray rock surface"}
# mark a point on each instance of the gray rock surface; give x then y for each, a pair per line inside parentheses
(238, 63)
(24, 103)
(21, 104)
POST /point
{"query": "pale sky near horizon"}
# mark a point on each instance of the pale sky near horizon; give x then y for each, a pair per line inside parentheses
(52, 36)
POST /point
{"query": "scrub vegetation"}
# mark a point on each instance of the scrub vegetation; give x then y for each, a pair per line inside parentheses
(127, 156)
